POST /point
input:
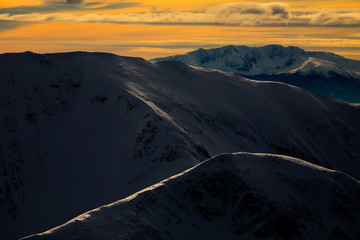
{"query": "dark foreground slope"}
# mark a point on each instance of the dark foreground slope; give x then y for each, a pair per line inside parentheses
(80, 130)
(231, 196)
(73, 138)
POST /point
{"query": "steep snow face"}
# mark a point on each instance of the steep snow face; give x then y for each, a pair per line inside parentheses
(330, 74)
(80, 130)
(231, 196)
(315, 65)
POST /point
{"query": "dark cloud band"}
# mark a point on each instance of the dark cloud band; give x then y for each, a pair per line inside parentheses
(63, 1)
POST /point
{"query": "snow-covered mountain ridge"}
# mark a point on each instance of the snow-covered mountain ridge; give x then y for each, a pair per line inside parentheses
(270, 59)
(321, 72)
(231, 196)
(80, 130)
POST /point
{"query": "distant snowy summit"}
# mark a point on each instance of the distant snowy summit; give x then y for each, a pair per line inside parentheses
(320, 72)
(270, 60)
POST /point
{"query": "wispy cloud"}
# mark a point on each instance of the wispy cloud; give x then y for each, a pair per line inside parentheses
(248, 8)
(5, 25)
(63, 1)
(53, 8)
(228, 14)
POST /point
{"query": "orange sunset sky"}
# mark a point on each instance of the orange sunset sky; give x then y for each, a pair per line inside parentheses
(157, 28)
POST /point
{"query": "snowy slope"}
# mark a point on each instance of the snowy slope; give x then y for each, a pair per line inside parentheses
(231, 196)
(320, 72)
(80, 130)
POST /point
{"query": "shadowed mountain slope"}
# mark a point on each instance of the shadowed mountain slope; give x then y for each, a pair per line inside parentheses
(80, 130)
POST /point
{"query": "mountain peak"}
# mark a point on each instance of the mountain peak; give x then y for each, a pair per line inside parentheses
(270, 59)
(332, 75)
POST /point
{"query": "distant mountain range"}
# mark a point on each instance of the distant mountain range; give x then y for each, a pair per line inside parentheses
(319, 72)
(81, 130)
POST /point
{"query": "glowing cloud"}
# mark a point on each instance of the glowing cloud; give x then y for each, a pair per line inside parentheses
(228, 14)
